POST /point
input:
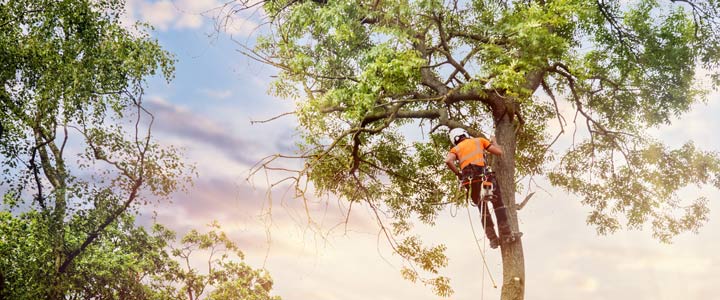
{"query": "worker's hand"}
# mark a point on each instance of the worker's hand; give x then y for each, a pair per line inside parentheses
(493, 140)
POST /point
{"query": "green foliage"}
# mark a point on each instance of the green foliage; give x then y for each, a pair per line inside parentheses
(111, 268)
(23, 237)
(77, 158)
(429, 260)
(128, 263)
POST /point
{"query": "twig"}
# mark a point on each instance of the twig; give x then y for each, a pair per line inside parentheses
(253, 122)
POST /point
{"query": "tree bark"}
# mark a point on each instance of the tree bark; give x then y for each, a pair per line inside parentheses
(513, 260)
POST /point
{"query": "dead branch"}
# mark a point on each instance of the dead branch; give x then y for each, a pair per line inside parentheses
(253, 122)
(522, 204)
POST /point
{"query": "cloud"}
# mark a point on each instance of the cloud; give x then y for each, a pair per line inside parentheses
(217, 94)
(285, 224)
(165, 15)
(573, 279)
(667, 262)
(236, 25)
(189, 21)
(195, 12)
(200, 130)
(160, 14)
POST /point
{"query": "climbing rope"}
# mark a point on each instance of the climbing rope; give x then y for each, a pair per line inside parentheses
(482, 252)
(482, 278)
(483, 219)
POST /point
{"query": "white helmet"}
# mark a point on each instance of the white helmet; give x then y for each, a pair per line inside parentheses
(456, 135)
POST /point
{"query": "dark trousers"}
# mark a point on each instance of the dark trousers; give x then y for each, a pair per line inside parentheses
(473, 180)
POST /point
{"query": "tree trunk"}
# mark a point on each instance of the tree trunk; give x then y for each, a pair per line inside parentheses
(512, 254)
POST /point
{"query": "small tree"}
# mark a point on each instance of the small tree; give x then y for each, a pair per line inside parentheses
(362, 71)
(227, 276)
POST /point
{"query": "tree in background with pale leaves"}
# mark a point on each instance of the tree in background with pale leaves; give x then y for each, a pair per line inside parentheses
(211, 266)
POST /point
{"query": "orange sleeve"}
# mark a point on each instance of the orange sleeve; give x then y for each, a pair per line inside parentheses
(454, 150)
(485, 143)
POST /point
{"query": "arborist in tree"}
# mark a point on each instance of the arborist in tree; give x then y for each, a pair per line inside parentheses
(480, 181)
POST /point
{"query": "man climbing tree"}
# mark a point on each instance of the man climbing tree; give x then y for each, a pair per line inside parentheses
(365, 73)
(476, 178)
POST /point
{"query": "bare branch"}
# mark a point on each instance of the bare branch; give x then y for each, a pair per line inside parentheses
(559, 116)
(253, 122)
(525, 201)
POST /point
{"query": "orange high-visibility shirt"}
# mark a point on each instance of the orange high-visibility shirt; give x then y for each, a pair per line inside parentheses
(470, 151)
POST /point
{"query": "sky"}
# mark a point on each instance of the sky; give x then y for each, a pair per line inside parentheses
(207, 110)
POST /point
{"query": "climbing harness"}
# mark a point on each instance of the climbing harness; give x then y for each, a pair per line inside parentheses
(487, 190)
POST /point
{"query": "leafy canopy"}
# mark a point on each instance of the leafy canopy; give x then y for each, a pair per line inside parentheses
(365, 73)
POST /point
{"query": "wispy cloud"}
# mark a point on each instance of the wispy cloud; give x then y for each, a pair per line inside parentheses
(165, 15)
(176, 120)
(217, 94)
(236, 25)
(161, 14)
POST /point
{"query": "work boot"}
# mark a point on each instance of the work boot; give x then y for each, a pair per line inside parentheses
(492, 236)
(494, 243)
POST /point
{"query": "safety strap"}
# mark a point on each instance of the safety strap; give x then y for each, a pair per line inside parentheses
(475, 175)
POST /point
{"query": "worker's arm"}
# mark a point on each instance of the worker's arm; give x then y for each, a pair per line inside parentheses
(450, 162)
(493, 147)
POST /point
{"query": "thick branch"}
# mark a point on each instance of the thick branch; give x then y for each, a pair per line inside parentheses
(50, 172)
(36, 175)
(462, 63)
(428, 77)
(92, 236)
(403, 114)
(479, 38)
(446, 49)
(525, 201)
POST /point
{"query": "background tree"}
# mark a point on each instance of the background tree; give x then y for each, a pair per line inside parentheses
(227, 276)
(363, 72)
(77, 154)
